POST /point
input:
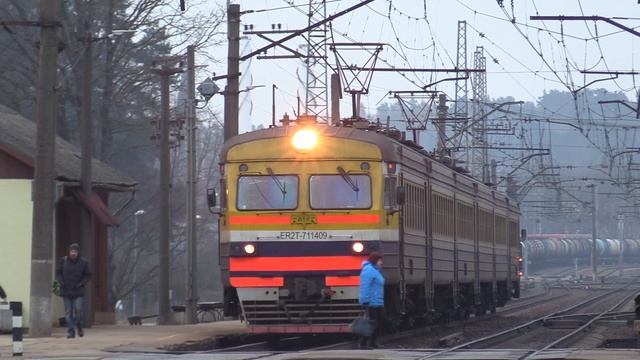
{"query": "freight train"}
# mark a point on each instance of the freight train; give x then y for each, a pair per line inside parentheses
(303, 205)
(549, 247)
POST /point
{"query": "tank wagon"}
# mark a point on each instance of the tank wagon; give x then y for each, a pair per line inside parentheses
(302, 206)
(544, 247)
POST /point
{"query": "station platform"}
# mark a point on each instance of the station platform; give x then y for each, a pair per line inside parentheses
(105, 341)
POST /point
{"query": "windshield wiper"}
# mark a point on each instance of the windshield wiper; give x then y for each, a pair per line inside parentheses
(348, 179)
(281, 186)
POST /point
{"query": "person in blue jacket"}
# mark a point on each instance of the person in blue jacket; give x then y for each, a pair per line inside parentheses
(372, 295)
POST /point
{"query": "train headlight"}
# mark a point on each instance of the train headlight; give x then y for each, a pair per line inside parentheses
(249, 249)
(305, 140)
(357, 247)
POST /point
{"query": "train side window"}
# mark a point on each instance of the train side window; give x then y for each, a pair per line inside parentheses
(390, 183)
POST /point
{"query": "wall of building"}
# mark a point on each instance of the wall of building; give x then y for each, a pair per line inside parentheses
(16, 213)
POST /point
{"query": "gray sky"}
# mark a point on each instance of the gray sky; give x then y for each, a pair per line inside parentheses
(418, 41)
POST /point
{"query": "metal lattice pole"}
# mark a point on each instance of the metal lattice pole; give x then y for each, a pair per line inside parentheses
(480, 151)
(317, 95)
(461, 107)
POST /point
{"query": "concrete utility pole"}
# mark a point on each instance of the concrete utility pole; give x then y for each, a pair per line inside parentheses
(621, 239)
(165, 70)
(273, 105)
(136, 257)
(165, 188)
(336, 95)
(594, 235)
(44, 175)
(192, 248)
(232, 90)
(86, 138)
(440, 127)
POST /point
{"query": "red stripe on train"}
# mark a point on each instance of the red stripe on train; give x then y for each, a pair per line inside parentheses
(326, 219)
(348, 219)
(342, 280)
(295, 263)
(259, 220)
(246, 282)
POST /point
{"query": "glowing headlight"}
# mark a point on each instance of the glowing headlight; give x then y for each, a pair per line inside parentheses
(305, 140)
(357, 247)
(249, 249)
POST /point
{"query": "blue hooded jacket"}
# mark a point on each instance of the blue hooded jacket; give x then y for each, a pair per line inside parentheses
(371, 285)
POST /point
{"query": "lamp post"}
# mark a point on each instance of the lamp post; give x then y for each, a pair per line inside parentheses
(206, 89)
(136, 215)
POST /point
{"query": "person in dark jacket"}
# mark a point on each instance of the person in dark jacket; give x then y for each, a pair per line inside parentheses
(73, 274)
(372, 295)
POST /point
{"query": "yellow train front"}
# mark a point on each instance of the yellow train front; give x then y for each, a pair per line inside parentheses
(303, 206)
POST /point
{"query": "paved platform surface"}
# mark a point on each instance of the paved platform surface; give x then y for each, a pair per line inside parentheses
(384, 354)
(150, 342)
(111, 341)
(415, 355)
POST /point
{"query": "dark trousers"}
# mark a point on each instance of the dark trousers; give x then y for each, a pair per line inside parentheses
(74, 312)
(376, 314)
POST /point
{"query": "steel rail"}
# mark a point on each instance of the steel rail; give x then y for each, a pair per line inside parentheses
(493, 338)
(570, 337)
(422, 330)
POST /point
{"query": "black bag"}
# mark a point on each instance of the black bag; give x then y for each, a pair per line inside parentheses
(363, 326)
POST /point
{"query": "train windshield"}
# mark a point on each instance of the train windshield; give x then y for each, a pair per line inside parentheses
(343, 191)
(267, 192)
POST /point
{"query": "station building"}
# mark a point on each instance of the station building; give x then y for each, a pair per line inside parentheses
(17, 155)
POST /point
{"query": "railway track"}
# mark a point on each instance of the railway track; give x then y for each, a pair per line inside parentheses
(569, 339)
(319, 343)
(527, 305)
(505, 336)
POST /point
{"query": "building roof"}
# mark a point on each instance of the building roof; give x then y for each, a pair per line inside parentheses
(18, 138)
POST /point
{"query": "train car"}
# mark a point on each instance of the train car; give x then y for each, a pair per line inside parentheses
(302, 206)
(554, 247)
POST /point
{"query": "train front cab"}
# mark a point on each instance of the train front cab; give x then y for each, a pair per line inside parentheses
(297, 226)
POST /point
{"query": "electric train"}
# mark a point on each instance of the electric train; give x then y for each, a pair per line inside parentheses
(303, 205)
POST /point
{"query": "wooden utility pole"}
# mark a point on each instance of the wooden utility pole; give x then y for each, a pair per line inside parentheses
(192, 247)
(86, 138)
(232, 90)
(165, 68)
(44, 174)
